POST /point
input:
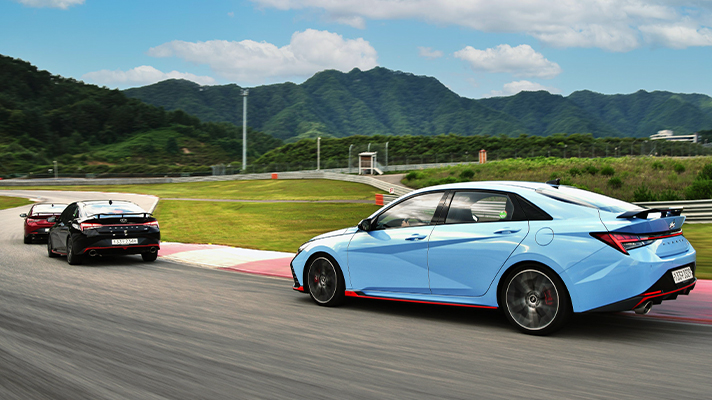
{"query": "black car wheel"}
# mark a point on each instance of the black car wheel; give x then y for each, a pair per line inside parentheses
(535, 300)
(326, 282)
(72, 258)
(148, 257)
(49, 247)
(28, 239)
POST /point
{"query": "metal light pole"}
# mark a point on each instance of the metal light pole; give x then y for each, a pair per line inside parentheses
(245, 92)
(56, 171)
(350, 147)
(318, 153)
(386, 156)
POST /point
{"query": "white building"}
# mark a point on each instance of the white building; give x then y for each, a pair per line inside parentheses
(668, 135)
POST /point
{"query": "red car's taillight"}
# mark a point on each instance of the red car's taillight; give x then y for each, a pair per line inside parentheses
(31, 221)
(626, 241)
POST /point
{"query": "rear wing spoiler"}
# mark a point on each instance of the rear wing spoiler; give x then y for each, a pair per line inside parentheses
(643, 214)
(99, 216)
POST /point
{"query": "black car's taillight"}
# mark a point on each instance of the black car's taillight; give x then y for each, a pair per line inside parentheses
(627, 241)
(86, 225)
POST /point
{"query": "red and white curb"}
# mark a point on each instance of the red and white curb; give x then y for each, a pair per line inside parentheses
(270, 263)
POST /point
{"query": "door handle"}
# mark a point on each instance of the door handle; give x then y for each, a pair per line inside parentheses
(416, 236)
(506, 231)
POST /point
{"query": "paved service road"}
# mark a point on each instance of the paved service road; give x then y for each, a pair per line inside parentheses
(121, 328)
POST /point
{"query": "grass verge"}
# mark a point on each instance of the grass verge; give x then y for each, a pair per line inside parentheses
(700, 236)
(292, 189)
(625, 178)
(11, 202)
(263, 226)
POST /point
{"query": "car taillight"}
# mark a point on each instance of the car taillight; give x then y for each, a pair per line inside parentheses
(626, 241)
(85, 225)
(152, 223)
(33, 221)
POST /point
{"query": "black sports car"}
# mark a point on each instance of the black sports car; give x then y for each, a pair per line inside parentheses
(103, 227)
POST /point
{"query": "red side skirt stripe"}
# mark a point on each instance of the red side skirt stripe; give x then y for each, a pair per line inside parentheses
(349, 293)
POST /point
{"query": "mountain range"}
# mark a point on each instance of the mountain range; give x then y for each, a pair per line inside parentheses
(385, 102)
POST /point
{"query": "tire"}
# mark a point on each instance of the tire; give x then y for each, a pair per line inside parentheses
(326, 282)
(49, 248)
(72, 258)
(148, 257)
(535, 300)
(28, 239)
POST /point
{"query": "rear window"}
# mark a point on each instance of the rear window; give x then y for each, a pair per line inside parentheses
(114, 208)
(48, 209)
(585, 198)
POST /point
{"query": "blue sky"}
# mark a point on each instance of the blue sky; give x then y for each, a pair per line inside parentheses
(478, 48)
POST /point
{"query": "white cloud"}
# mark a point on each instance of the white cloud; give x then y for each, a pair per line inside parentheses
(615, 25)
(429, 53)
(143, 75)
(677, 36)
(307, 53)
(63, 4)
(515, 87)
(521, 60)
(231, 14)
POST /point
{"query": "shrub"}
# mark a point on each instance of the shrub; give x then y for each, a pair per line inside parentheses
(554, 175)
(413, 175)
(615, 182)
(668, 195)
(679, 168)
(591, 170)
(658, 165)
(608, 171)
(643, 193)
(706, 173)
(441, 181)
(574, 171)
(467, 174)
(700, 189)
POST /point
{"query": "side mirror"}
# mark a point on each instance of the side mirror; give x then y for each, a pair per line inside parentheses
(365, 225)
(52, 219)
(23, 215)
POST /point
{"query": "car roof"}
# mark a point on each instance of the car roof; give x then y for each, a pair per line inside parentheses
(86, 202)
(512, 186)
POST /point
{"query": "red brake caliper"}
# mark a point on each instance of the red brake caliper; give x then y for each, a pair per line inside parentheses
(547, 297)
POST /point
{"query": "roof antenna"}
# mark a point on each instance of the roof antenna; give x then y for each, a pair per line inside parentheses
(110, 202)
(555, 183)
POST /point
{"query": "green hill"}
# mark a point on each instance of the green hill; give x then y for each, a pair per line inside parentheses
(385, 102)
(44, 117)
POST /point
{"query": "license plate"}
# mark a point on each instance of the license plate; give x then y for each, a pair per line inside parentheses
(682, 274)
(119, 242)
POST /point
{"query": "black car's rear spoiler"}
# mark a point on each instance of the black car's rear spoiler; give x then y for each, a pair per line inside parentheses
(643, 214)
(106, 215)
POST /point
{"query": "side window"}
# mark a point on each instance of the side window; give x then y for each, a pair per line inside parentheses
(416, 211)
(68, 214)
(470, 207)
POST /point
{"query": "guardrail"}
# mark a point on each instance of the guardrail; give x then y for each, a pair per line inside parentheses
(696, 211)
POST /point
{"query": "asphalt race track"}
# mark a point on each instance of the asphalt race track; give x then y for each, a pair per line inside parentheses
(119, 328)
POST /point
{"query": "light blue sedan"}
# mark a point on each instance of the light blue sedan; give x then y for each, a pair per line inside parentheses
(537, 251)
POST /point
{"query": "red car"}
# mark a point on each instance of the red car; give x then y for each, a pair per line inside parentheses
(36, 220)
